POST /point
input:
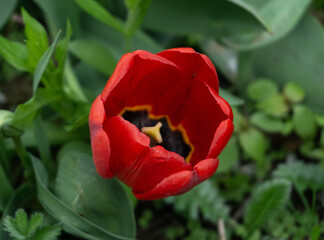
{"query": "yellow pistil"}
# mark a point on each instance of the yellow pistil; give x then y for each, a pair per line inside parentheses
(153, 133)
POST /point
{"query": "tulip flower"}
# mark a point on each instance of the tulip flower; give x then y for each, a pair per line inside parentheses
(159, 124)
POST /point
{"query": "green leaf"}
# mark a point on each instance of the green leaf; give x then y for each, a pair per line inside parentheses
(279, 60)
(267, 200)
(78, 123)
(322, 138)
(43, 62)
(203, 198)
(71, 220)
(287, 128)
(72, 85)
(225, 59)
(94, 54)
(43, 144)
(130, 4)
(56, 12)
(267, 123)
(5, 119)
(14, 53)
(304, 122)
(11, 227)
(254, 144)
(100, 13)
(25, 113)
(279, 18)
(6, 9)
(315, 233)
(261, 89)
(206, 17)
(231, 99)
(136, 15)
(77, 176)
(37, 41)
(275, 105)
(229, 156)
(302, 175)
(22, 221)
(17, 199)
(35, 221)
(48, 232)
(293, 92)
(61, 51)
(320, 119)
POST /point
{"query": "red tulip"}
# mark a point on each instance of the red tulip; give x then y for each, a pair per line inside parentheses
(179, 89)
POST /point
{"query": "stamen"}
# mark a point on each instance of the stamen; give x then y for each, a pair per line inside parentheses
(153, 133)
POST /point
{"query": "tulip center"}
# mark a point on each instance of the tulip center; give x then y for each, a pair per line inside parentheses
(159, 131)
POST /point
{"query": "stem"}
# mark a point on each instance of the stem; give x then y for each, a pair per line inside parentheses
(221, 229)
(128, 44)
(314, 201)
(21, 151)
(4, 160)
(304, 200)
(23, 157)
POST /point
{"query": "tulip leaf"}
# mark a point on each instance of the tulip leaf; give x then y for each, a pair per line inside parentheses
(279, 17)
(266, 201)
(94, 54)
(206, 17)
(308, 38)
(14, 53)
(225, 59)
(304, 122)
(71, 220)
(100, 13)
(302, 175)
(77, 179)
(43, 62)
(6, 9)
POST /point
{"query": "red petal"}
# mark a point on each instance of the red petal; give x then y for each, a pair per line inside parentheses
(157, 165)
(175, 184)
(193, 65)
(222, 136)
(128, 147)
(143, 78)
(201, 115)
(206, 168)
(99, 139)
(180, 182)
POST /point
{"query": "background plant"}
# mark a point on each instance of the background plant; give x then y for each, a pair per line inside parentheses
(55, 58)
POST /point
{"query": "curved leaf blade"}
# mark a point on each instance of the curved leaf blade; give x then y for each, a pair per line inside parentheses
(279, 18)
(72, 222)
(43, 62)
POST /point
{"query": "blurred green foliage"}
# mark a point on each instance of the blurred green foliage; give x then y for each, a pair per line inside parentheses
(55, 58)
